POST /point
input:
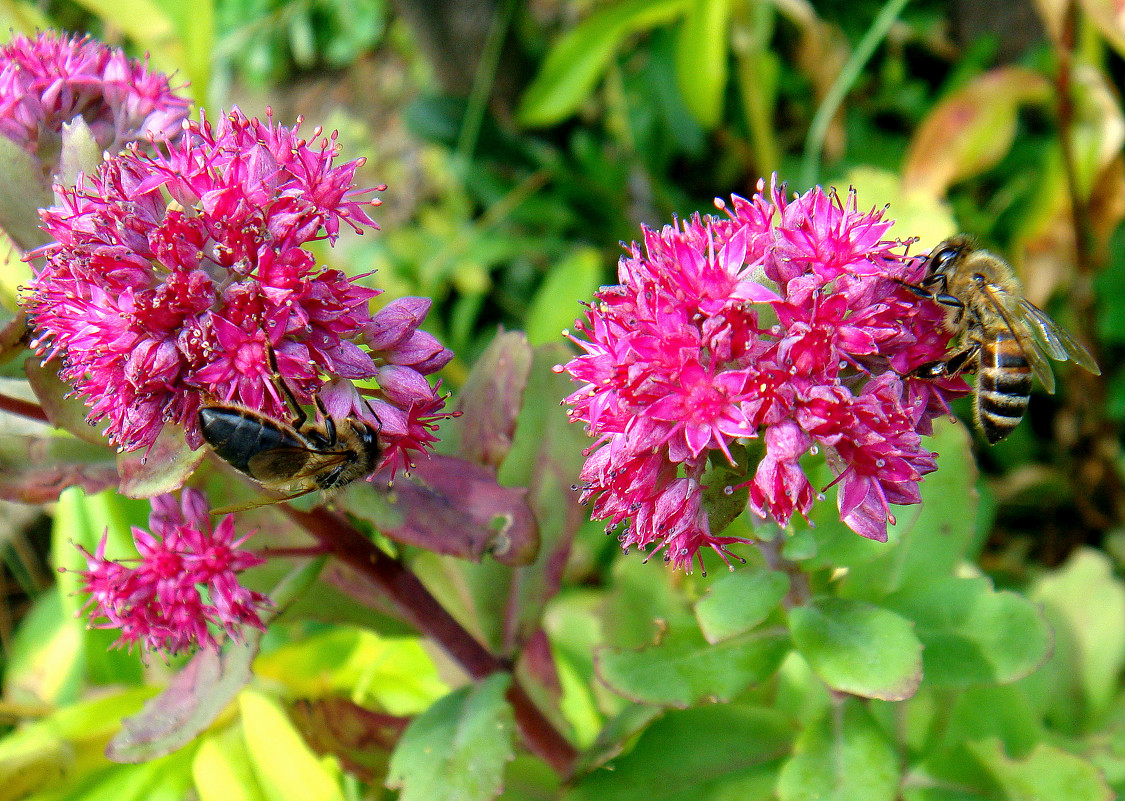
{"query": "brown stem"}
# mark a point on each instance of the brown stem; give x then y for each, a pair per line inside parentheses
(1092, 439)
(414, 604)
(24, 408)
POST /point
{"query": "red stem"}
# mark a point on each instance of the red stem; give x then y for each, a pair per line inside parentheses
(24, 408)
(417, 606)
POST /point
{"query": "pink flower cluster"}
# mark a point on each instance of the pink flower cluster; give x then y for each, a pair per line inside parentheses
(176, 272)
(158, 603)
(784, 321)
(47, 81)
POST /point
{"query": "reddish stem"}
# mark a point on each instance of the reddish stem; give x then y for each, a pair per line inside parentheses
(24, 408)
(414, 604)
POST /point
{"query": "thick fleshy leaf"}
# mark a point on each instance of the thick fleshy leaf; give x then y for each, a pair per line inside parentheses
(37, 469)
(64, 412)
(284, 765)
(221, 769)
(1087, 602)
(972, 633)
(457, 749)
(926, 542)
(14, 335)
(845, 756)
(23, 191)
(1048, 773)
(971, 129)
(858, 648)
(684, 669)
(41, 754)
(737, 603)
(80, 154)
(361, 739)
(491, 399)
(713, 752)
(578, 60)
(160, 469)
(701, 59)
(204, 687)
(193, 699)
(449, 506)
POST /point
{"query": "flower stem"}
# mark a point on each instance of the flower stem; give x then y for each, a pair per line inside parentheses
(24, 408)
(414, 604)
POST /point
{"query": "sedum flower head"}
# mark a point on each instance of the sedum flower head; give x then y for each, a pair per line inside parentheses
(47, 81)
(783, 322)
(175, 273)
(183, 589)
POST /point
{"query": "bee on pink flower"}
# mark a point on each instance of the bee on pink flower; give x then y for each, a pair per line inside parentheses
(784, 323)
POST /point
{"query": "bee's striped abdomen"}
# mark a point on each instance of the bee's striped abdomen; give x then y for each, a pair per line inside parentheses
(1003, 386)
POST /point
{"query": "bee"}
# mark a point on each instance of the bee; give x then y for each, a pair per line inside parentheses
(296, 457)
(1003, 336)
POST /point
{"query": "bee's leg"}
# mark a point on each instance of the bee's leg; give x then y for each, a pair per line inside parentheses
(941, 297)
(329, 423)
(299, 414)
(963, 361)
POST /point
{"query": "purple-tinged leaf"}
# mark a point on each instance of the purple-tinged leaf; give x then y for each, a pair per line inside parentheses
(162, 468)
(453, 507)
(191, 702)
(360, 738)
(491, 399)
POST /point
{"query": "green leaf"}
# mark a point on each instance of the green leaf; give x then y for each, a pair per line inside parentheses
(926, 542)
(701, 59)
(1087, 600)
(858, 648)
(23, 191)
(285, 766)
(972, 633)
(221, 769)
(842, 757)
(574, 278)
(395, 673)
(683, 669)
(713, 752)
(1047, 774)
(161, 468)
(737, 603)
(579, 59)
(457, 749)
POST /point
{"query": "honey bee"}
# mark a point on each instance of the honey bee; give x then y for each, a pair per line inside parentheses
(294, 458)
(1004, 337)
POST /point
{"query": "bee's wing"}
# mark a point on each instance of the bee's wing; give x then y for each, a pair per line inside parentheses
(1010, 309)
(292, 465)
(1054, 339)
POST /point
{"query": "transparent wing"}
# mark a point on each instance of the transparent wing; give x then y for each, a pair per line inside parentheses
(1054, 339)
(1009, 307)
(291, 466)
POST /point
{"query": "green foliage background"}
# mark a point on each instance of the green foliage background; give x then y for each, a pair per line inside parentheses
(977, 655)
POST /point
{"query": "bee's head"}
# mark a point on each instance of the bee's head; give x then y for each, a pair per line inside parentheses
(945, 256)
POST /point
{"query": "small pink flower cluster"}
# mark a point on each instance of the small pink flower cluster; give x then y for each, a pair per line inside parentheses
(47, 81)
(158, 603)
(785, 320)
(175, 273)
